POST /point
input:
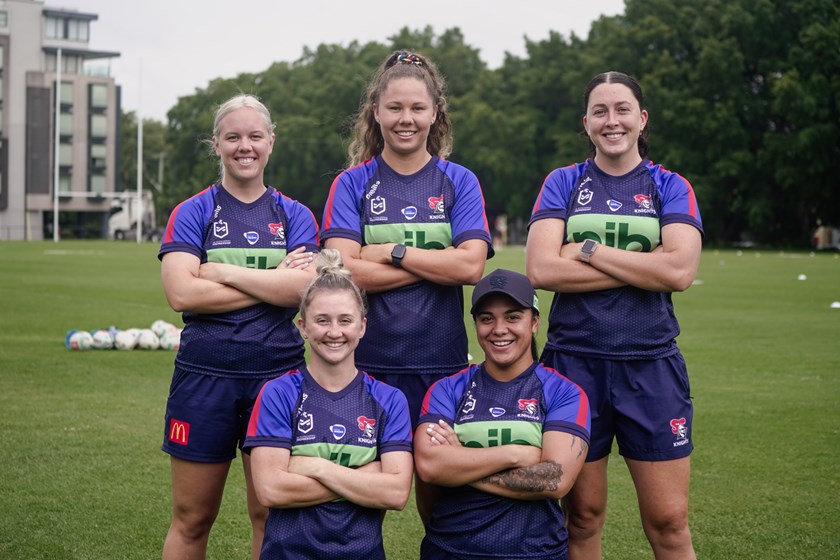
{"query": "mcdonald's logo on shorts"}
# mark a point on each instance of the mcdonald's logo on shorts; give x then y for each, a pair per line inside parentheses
(179, 432)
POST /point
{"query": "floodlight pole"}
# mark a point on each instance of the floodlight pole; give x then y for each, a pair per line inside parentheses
(140, 160)
(57, 136)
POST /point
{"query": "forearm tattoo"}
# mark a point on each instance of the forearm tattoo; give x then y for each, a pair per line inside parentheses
(542, 477)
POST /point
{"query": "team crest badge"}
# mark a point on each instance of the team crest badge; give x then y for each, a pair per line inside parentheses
(436, 204)
(529, 406)
(220, 229)
(678, 428)
(643, 200)
(377, 205)
(366, 425)
(584, 197)
(305, 423)
(277, 231)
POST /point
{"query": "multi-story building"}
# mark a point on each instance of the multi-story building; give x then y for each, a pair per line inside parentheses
(34, 41)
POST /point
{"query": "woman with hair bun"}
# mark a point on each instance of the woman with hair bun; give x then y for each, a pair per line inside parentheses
(234, 259)
(330, 446)
(613, 237)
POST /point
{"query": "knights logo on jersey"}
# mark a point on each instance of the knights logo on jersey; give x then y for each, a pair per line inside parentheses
(377, 205)
(436, 204)
(642, 200)
(366, 425)
(220, 229)
(277, 231)
(679, 429)
(529, 406)
(305, 423)
(585, 197)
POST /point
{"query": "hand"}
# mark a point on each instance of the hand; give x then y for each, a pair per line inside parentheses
(378, 253)
(214, 272)
(442, 434)
(299, 258)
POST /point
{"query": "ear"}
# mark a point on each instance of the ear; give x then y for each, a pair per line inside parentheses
(271, 143)
(644, 117)
(585, 125)
(535, 323)
(301, 327)
(364, 327)
(376, 113)
(216, 147)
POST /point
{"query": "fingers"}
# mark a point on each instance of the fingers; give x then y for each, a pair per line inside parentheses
(442, 434)
(298, 259)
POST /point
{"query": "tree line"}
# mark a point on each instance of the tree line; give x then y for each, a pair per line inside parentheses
(743, 97)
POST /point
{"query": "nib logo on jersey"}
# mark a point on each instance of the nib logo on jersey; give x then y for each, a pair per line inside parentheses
(366, 425)
(679, 429)
(338, 431)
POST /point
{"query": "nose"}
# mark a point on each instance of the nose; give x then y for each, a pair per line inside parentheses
(405, 116)
(244, 145)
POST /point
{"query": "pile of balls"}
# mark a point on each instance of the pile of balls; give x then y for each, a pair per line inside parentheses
(160, 336)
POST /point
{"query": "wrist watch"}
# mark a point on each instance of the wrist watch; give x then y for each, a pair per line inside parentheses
(588, 249)
(397, 254)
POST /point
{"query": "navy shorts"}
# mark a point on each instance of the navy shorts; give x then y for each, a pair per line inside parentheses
(644, 404)
(414, 388)
(207, 416)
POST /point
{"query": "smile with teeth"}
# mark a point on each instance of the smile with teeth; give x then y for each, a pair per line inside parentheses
(501, 343)
(614, 135)
(246, 160)
(405, 133)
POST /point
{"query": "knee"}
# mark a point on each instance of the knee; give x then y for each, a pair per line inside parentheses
(258, 515)
(669, 528)
(584, 522)
(192, 524)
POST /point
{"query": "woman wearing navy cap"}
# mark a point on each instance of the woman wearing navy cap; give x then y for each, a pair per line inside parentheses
(508, 437)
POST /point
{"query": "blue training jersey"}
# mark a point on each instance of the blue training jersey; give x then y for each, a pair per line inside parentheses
(416, 329)
(351, 427)
(626, 212)
(260, 340)
(469, 523)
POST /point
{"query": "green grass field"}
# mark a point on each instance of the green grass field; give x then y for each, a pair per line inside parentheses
(82, 475)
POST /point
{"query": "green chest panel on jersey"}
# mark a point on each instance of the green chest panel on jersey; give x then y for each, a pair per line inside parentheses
(630, 233)
(341, 453)
(248, 258)
(435, 235)
(494, 434)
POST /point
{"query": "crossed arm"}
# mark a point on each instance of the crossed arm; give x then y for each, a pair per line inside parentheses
(372, 269)
(519, 472)
(218, 288)
(285, 481)
(670, 267)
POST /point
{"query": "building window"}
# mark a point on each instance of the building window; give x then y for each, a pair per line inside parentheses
(65, 154)
(66, 94)
(98, 96)
(98, 126)
(97, 183)
(64, 182)
(54, 28)
(98, 156)
(65, 124)
(66, 28)
(4, 18)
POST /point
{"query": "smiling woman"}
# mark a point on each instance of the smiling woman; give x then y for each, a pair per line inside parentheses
(330, 446)
(235, 258)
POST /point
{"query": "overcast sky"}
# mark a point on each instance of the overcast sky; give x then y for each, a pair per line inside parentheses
(177, 46)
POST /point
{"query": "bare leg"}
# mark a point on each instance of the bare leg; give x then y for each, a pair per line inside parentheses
(197, 490)
(586, 508)
(256, 511)
(662, 490)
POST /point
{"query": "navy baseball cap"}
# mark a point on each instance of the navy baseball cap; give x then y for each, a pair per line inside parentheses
(507, 282)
